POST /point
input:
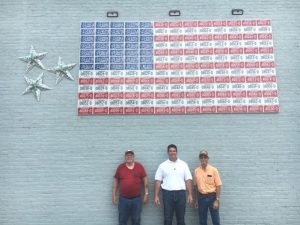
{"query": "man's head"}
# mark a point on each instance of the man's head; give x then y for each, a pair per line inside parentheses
(129, 156)
(203, 157)
(172, 152)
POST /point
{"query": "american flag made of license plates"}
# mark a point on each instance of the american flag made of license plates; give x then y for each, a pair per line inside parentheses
(181, 67)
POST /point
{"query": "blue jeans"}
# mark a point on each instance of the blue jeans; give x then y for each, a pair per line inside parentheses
(205, 203)
(130, 207)
(174, 201)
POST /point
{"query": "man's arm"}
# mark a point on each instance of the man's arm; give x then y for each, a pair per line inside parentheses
(146, 190)
(156, 191)
(218, 191)
(114, 191)
(188, 184)
(196, 195)
(218, 194)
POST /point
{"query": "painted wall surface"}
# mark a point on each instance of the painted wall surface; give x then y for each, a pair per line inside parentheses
(57, 167)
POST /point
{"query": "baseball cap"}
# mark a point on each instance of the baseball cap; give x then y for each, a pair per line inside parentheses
(129, 151)
(203, 152)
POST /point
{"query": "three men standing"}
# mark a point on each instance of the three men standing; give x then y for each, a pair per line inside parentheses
(174, 177)
(129, 177)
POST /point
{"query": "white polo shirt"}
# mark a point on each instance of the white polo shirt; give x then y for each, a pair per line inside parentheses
(173, 175)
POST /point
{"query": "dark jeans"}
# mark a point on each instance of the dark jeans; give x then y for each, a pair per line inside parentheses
(205, 203)
(174, 201)
(130, 207)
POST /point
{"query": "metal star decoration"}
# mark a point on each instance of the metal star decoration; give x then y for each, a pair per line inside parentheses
(62, 70)
(33, 59)
(36, 86)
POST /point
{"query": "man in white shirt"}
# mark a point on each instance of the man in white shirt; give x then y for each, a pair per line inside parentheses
(174, 177)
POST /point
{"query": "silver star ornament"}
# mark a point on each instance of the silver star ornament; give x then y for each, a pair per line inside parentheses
(62, 70)
(33, 59)
(36, 86)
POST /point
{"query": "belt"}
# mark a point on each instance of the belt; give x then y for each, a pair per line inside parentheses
(173, 190)
(130, 197)
(208, 194)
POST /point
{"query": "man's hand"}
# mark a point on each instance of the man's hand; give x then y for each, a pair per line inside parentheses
(216, 204)
(190, 199)
(114, 200)
(196, 204)
(156, 201)
(145, 199)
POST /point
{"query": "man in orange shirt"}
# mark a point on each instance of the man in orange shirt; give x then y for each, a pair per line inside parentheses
(208, 189)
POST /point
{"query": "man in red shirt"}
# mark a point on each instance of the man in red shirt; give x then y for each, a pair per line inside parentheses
(129, 178)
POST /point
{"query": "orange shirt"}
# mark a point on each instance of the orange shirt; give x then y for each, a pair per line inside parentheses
(207, 180)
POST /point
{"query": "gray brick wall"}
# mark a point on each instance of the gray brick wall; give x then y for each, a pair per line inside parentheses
(57, 168)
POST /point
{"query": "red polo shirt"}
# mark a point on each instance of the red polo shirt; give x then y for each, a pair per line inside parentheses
(130, 180)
